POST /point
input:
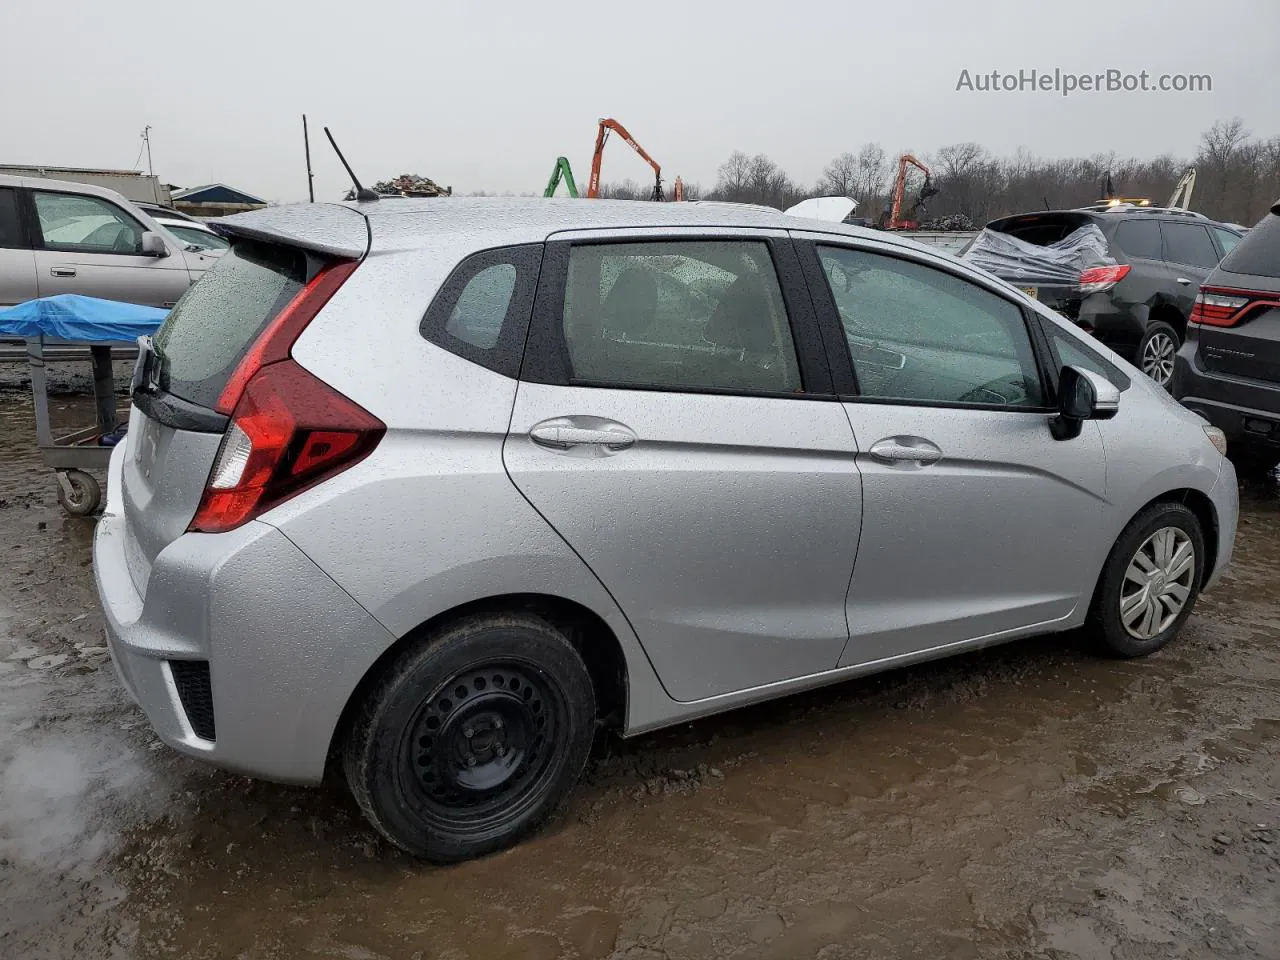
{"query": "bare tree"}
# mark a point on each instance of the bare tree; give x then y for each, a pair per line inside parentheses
(734, 176)
(840, 178)
(872, 173)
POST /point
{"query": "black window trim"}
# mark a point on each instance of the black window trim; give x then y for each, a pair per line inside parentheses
(841, 359)
(546, 360)
(37, 235)
(506, 356)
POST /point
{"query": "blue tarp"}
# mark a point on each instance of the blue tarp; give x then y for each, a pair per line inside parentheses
(69, 316)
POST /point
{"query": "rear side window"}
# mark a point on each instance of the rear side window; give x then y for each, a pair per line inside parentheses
(482, 310)
(1140, 238)
(1258, 253)
(1226, 239)
(10, 226)
(1188, 243)
(691, 314)
(217, 320)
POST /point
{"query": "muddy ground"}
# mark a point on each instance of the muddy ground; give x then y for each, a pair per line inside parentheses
(1030, 801)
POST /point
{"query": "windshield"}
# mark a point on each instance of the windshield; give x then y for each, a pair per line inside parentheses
(203, 239)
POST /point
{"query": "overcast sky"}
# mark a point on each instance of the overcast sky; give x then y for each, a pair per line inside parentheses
(485, 95)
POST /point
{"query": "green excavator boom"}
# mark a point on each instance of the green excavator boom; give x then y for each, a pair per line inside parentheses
(561, 171)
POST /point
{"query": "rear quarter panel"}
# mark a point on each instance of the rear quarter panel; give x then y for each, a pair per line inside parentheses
(430, 520)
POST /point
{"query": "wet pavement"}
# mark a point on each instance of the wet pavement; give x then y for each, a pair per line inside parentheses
(1031, 801)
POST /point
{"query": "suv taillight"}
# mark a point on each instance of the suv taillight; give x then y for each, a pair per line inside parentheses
(1097, 279)
(1224, 307)
(289, 431)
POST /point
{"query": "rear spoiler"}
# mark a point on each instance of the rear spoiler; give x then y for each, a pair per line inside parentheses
(326, 228)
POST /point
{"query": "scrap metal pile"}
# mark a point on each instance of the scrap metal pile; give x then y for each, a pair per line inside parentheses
(407, 185)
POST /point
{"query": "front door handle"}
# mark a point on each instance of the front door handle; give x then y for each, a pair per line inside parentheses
(567, 433)
(916, 451)
(62, 271)
(1184, 281)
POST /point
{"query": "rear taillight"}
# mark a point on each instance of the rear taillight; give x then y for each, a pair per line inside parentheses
(288, 432)
(280, 334)
(1097, 279)
(1223, 307)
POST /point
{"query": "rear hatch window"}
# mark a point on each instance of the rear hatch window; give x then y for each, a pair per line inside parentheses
(1258, 254)
(214, 324)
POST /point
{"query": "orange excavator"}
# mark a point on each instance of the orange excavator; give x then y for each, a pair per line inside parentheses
(893, 219)
(608, 124)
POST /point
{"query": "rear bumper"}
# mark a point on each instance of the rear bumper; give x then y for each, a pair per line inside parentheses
(269, 623)
(1247, 411)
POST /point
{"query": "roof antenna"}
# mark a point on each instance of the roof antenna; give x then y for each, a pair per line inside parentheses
(362, 192)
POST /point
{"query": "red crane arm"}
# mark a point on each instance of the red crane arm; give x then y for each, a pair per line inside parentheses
(900, 186)
(607, 124)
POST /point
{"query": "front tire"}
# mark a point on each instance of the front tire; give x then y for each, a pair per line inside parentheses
(472, 738)
(1150, 581)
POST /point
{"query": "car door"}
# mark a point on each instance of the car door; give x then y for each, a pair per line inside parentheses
(675, 424)
(89, 245)
(976, 522)
(17, 262)
(1191, 255)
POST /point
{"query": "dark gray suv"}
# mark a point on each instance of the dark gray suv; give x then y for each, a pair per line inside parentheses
(1229, 368)
(1137, 303)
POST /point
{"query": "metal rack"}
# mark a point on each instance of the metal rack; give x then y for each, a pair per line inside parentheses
(74, 453)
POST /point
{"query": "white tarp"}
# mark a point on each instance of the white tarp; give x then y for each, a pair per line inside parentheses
(831, 209)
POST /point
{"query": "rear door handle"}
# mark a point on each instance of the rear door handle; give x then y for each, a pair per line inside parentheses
(62, 271)
(1184, 281)
(916, 451)
(566, 433)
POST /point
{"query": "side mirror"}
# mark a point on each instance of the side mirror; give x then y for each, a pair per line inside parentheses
(1082, 395)
(153, 245)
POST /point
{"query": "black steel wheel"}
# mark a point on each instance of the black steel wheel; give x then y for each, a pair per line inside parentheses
(473, 737)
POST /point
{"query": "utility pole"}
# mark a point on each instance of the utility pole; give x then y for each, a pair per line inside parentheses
(146, 137)
(306, 145)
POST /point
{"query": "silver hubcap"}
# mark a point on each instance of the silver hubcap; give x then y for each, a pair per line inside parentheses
(1157, 358)
(1158, 583)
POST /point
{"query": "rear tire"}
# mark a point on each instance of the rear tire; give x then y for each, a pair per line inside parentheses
(472, 738)
(1156, 351)
(1150, 581)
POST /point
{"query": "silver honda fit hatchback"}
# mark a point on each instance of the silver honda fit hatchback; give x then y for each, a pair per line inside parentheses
(433, 489)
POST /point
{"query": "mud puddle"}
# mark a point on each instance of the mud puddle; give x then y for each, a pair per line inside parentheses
(1031, 801)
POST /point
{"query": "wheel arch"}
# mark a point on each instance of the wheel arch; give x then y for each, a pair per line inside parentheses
(1200, 505)
(596, 642)
(1170, 314)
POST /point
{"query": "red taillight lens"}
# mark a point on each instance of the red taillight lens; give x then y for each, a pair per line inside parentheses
(1223, 307)
(288, 432)
(1097, 279)
(277, 339)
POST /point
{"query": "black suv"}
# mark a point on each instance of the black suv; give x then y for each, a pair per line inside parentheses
(1139, 306)
(1229, 368)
